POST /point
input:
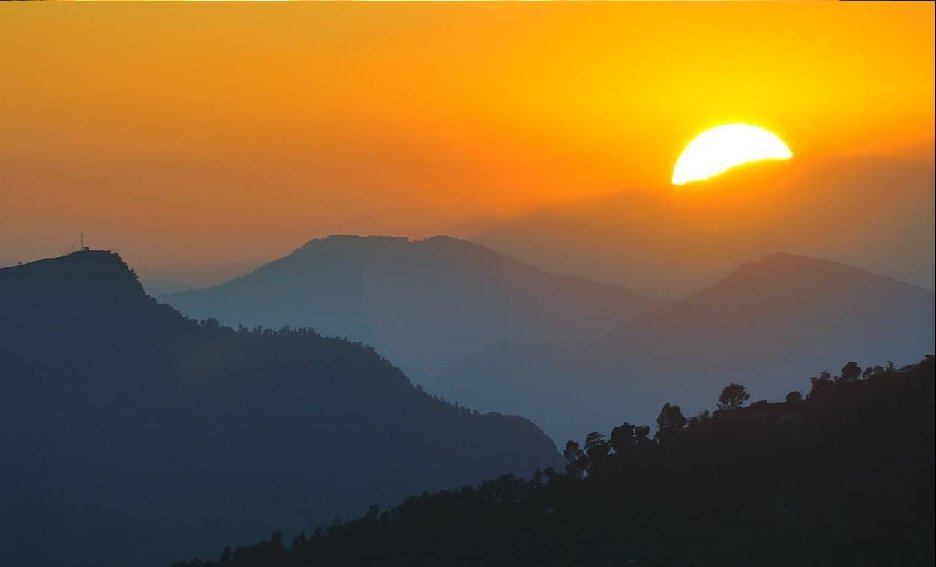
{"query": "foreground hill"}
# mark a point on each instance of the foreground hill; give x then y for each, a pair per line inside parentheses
(770, 323)
(843, 477)
(131, 435)
(421, 303)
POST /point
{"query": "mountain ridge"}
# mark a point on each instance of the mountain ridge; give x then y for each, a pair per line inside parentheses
(423, 303)
(781, 311)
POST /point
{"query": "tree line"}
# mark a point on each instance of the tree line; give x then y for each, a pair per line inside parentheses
(842, 475)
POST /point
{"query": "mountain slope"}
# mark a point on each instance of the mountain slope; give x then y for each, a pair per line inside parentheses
(769, 323)
(423, 304)
(124, 425)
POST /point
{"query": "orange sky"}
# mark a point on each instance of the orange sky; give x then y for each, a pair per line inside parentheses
(193, 132)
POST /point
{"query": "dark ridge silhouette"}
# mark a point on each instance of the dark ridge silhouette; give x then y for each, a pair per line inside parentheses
(422, 303)
(769, 323)
(131, 435)
(83, 298)
(841, 476)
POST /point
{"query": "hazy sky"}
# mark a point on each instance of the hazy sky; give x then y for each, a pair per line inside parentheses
(196, 132)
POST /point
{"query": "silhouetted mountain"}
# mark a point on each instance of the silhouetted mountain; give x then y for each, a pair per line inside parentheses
(843, 476)
(770, 323)
(131, 435)
(423, 304)
(84, 298)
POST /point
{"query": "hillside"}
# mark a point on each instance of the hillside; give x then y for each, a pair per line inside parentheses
(129, 431)
(421, 303)
(811, 481)
(771, 323)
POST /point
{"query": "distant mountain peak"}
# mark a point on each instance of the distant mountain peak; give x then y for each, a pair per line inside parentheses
(786, 269)
(364, 244)
(379, 239)
(391, 252)
(357, 238)
(788, 264)
(789, 259)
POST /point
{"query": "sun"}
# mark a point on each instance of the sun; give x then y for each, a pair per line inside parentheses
(720, 148)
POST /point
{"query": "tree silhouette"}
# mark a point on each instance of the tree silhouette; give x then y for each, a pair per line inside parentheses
(623, 437)
(671, 420)
(642, 434)
(627, 436)
(597, 448)
(577, 462)
(733, 397)
(821, 385)
(851, 372)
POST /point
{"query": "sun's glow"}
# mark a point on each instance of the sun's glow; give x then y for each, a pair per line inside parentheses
(721, 148)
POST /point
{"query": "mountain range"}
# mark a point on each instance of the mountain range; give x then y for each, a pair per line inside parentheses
(132, 435)
(873, 213)
(424, 304)
(770, 324)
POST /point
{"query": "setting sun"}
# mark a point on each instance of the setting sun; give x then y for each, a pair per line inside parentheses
(721, 148)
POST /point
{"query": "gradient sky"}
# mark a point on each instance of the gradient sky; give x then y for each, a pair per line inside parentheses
(194, 132)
